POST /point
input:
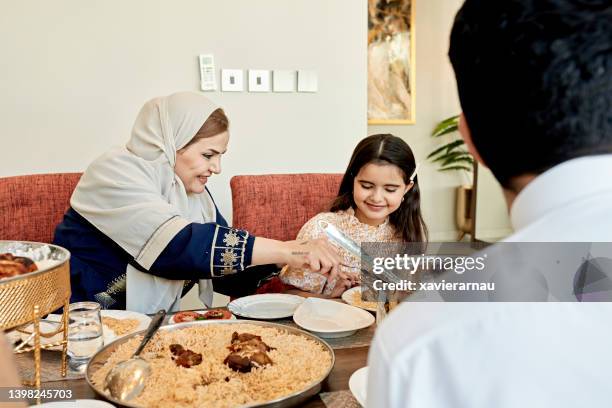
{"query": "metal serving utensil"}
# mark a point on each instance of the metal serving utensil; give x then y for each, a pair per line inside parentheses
(367, 262)
(126, 380)
(383, 303)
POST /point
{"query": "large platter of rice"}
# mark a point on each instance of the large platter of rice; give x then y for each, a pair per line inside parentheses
(301, 362)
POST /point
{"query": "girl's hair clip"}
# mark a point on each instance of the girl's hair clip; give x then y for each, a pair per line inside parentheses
(414, 173)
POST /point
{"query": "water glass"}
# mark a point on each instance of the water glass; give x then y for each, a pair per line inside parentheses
(386, 302)
(84, 334)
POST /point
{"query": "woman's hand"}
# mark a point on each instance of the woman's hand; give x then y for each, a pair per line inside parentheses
(317, 255)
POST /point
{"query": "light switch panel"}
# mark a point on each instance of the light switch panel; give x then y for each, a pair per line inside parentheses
(207, 72)
(259, 80)
(231, 80)
(307, 81)
(284, 80)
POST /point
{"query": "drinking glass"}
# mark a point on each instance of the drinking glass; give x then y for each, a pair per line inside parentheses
(84, 334)
(386, 302)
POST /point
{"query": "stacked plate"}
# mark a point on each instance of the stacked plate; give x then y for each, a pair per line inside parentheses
(325, 318)
(330, 319)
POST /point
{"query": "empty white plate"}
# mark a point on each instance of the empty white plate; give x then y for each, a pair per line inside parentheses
(265, 306)
(358, 384)
(328, 318)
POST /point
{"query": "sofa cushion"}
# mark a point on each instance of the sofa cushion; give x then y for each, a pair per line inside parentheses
(32, 206)
(277, 205)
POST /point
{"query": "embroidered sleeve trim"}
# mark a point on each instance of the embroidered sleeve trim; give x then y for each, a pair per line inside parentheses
(114, 287)
(228, 251)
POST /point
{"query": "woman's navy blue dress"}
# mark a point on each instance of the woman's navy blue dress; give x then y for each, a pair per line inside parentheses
(198, 251)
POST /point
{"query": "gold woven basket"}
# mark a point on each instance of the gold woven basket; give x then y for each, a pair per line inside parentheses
(27, 298)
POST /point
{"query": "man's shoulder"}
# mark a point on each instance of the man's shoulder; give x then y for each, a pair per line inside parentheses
(415, 325)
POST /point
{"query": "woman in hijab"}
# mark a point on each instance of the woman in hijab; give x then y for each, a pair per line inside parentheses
(142, 227)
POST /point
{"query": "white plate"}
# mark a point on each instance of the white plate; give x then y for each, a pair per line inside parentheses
(358, 384)
(143, 322)
(172, 321)
(51, 323)
(266, 306)
(347, 296)
(328, 318)
(83, 403)
(46, 326)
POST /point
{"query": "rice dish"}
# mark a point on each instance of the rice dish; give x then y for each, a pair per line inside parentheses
(356, 300)
(297, 363)
(120, 326)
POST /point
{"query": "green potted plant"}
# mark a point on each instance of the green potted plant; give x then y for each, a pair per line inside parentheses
(454, 156)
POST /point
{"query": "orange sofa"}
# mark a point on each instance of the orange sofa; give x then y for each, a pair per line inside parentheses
(277, 205)
(32, 206)
(272, 206)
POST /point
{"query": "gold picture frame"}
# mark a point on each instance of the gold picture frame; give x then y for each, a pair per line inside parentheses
(391, 62)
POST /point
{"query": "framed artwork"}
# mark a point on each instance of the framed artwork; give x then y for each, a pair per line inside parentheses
(391, 62)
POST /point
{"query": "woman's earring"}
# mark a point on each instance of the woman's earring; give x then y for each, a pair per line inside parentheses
(402, 199)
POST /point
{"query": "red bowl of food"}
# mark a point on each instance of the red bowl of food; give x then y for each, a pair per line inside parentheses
(196, 315)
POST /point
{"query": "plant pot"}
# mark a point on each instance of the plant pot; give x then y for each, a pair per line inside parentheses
(465, 222)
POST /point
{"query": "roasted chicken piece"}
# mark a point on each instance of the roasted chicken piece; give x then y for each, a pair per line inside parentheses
(15, 265)
(251, 346)
(239, 338)
(9, 269)
(176, 349)
(244, 364)
(260, 359)
(247, 351)
(238, 363)
(248, 340)
(184, 357)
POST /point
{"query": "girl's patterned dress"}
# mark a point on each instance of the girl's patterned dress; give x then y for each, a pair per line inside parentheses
(347, 222)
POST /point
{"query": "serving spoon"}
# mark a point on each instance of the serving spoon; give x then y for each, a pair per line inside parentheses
(126, 380)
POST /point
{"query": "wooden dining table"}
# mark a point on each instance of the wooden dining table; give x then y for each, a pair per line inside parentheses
(348, 359)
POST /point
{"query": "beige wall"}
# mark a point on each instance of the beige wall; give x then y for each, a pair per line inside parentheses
(436, 99)
(74, 74)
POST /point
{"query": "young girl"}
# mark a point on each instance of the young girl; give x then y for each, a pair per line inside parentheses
(379, 201)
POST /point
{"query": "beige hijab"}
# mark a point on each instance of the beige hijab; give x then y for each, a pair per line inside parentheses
(133, 196)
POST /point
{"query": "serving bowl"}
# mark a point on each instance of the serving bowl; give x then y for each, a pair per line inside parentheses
(293, 399)
(34, 294)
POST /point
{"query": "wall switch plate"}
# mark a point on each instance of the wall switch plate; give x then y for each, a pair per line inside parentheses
(307, 81)
(259, 80)
(231, 80)
(207, 72)
(284, 80)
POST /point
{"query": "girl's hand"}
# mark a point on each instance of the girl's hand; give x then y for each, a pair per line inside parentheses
(317, 255)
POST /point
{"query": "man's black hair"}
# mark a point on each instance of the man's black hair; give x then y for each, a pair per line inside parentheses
(535, 81)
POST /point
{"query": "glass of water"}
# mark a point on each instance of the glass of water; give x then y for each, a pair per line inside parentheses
(84, 334)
